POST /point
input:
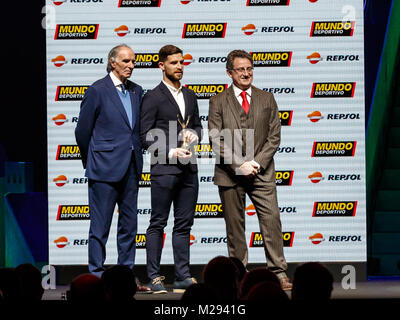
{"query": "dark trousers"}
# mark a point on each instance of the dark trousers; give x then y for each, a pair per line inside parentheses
(180, 190)
(103, 196)
(265, 201)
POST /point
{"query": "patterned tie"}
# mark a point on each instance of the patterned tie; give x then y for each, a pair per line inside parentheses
(245, 103)
(123, 89)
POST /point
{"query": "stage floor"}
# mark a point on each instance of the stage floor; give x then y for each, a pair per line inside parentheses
(372, 289)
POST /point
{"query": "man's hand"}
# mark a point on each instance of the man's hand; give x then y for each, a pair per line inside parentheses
(189, 136)
(248, 169)
(181, 153)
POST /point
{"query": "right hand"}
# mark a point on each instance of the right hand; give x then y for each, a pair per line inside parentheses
(181, 153)
(248, 169)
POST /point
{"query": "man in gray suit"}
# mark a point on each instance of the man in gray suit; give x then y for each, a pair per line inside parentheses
(247, 117)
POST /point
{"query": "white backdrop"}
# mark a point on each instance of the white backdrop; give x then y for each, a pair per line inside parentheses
(309, 53)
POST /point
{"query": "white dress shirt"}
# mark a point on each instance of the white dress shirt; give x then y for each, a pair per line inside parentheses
(117, 83)
(178, 96)
(238, 91)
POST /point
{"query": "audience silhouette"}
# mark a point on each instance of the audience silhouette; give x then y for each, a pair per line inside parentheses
(119, 284)
(30, 280)
(254, 277)
(86, 288)
(312, 281)
(224, 280)
(222, 276)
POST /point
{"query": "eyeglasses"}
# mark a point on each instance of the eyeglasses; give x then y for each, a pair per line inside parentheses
(243, 70)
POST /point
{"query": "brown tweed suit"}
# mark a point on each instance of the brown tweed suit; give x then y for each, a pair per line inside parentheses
(226, 113)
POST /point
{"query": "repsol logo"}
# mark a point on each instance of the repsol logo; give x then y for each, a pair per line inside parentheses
(335, 209)
(144, 212)
(145, 180)
(204, 150)
(60, 2)
(292, 210)
(254, 3)
(277, 29)
(284, 178)
(59, 61)
(272, 59)
(343, 116)
(208, 210)
(344, 177)
(332, 29)
(211, 60)
(345, 238)
(206, 91)
(62, 180)
(333, 89)
(146, 60)
(257, 241)
(286, 150)
(150, 30)
(207, 179)
(334, 149)
(203, 118)
(76, 31)
(68, 152)
(73, 212)
(204, 30)
(211, 240)
(139, 3)
(280, 90)
(342, 58)
(286, 117)
(70, 93)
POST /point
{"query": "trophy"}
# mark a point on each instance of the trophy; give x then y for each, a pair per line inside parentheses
(185, 144)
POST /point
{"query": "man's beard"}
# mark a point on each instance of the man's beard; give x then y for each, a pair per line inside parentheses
(173, 77)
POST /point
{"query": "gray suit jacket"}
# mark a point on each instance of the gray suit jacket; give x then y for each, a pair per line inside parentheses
(224, 113)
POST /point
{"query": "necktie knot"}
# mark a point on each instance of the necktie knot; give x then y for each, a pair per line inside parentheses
(245, 102)
(123, 89)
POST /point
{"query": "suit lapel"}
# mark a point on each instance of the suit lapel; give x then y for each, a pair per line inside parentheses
(135, 104)
(117, 100)
(233, 105)
(187, 104)
(171, 99)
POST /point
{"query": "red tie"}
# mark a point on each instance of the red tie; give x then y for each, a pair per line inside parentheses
(245, 103)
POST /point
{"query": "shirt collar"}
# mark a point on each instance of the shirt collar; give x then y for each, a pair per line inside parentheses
(114, 79)
(238, 91)
(171, 88)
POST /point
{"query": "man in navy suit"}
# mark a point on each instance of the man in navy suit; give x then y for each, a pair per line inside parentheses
(108, 138)
(169, 117)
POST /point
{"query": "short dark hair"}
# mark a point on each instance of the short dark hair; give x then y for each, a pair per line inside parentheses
(168, 50)
(237, 54)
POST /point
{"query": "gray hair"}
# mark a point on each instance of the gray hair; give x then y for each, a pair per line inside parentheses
(112, 55)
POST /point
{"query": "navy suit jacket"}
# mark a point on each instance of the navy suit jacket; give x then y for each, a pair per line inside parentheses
(158, 109)
(104, 135)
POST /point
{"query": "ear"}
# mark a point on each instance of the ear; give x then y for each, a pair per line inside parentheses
(229, 73)
(161, 66)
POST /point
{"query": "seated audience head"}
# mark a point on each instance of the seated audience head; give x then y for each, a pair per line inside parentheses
(312, 281)
(119, 283)
(199, 292)
(240, 267)
(267, 291)
(220, 274)
(9, 284)
(86, 288)
(254, 277)
(30, 279)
